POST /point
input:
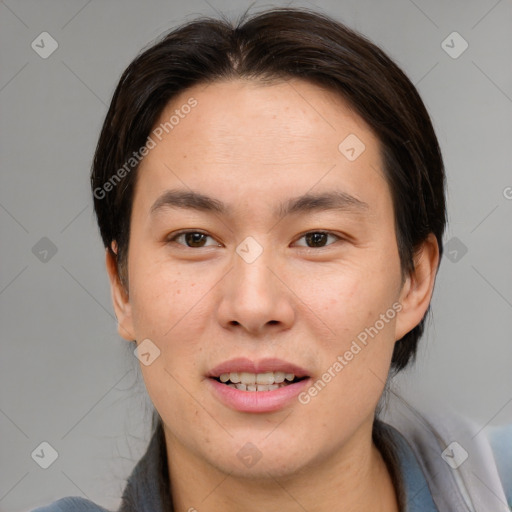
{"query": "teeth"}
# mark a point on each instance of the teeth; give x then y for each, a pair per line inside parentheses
(259, 387)
(248, 378)
(279, 377)
(253, 379)
(265, 378)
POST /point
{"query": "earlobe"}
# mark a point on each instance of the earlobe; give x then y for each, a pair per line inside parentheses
(417, 290)
(120, 298)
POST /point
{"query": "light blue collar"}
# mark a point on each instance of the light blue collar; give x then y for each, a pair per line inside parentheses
(417, 493)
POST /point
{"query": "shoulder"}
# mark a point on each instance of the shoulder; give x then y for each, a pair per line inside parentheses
(467, 466)
(71, 504)
(500, 438)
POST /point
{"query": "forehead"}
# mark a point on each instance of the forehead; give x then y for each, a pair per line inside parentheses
(246, 138)
(244, 115)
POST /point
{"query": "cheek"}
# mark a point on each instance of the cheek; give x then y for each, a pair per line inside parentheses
(353, 364)
(167, 307)
(355, 354)
(163, 297)
(170, 306)
(348, 299)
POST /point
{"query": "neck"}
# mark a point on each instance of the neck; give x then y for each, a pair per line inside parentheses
(353, 478)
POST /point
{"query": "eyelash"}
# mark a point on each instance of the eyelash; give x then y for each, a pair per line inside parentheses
(174, 236)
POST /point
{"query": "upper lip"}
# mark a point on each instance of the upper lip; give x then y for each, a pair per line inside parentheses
(243, 364)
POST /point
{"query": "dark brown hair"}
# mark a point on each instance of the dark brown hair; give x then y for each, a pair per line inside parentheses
(278, 44)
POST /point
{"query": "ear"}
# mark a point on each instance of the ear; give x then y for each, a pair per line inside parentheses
(120, 299)
(418, 287)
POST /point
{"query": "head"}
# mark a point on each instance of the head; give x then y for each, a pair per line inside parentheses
(304, 168)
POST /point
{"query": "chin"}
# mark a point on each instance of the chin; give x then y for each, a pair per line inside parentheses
(261, 460)
(263, 470)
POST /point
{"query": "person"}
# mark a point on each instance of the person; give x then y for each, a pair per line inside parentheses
(271, 198)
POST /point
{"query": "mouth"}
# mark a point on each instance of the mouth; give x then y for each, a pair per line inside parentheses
(257, 382)
(260, 386)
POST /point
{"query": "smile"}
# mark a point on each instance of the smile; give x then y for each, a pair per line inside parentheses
(268, 381)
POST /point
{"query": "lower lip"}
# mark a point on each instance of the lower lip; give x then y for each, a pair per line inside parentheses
(257, 401)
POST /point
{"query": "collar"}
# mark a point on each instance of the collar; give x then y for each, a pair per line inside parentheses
(417, 496)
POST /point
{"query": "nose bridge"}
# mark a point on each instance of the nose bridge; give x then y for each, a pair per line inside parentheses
(252, 274)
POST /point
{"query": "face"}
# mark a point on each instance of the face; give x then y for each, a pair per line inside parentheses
(260, 245)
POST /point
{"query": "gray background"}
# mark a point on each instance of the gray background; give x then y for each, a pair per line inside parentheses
(66, 377)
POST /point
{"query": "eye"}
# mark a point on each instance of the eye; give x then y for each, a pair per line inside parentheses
(318, 238)
(197, 239)
(191, 239)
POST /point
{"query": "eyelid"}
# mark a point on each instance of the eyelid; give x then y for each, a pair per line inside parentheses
(172, 237)
(323, 231)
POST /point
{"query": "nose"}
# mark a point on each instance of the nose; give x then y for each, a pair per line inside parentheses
(255, 297)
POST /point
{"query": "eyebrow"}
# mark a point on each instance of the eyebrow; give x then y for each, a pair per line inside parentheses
(332, 200)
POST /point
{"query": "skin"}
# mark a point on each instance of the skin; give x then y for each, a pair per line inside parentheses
(253, 146)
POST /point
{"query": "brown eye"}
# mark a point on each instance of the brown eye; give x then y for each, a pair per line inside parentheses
(316, 239)
(192, 239)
